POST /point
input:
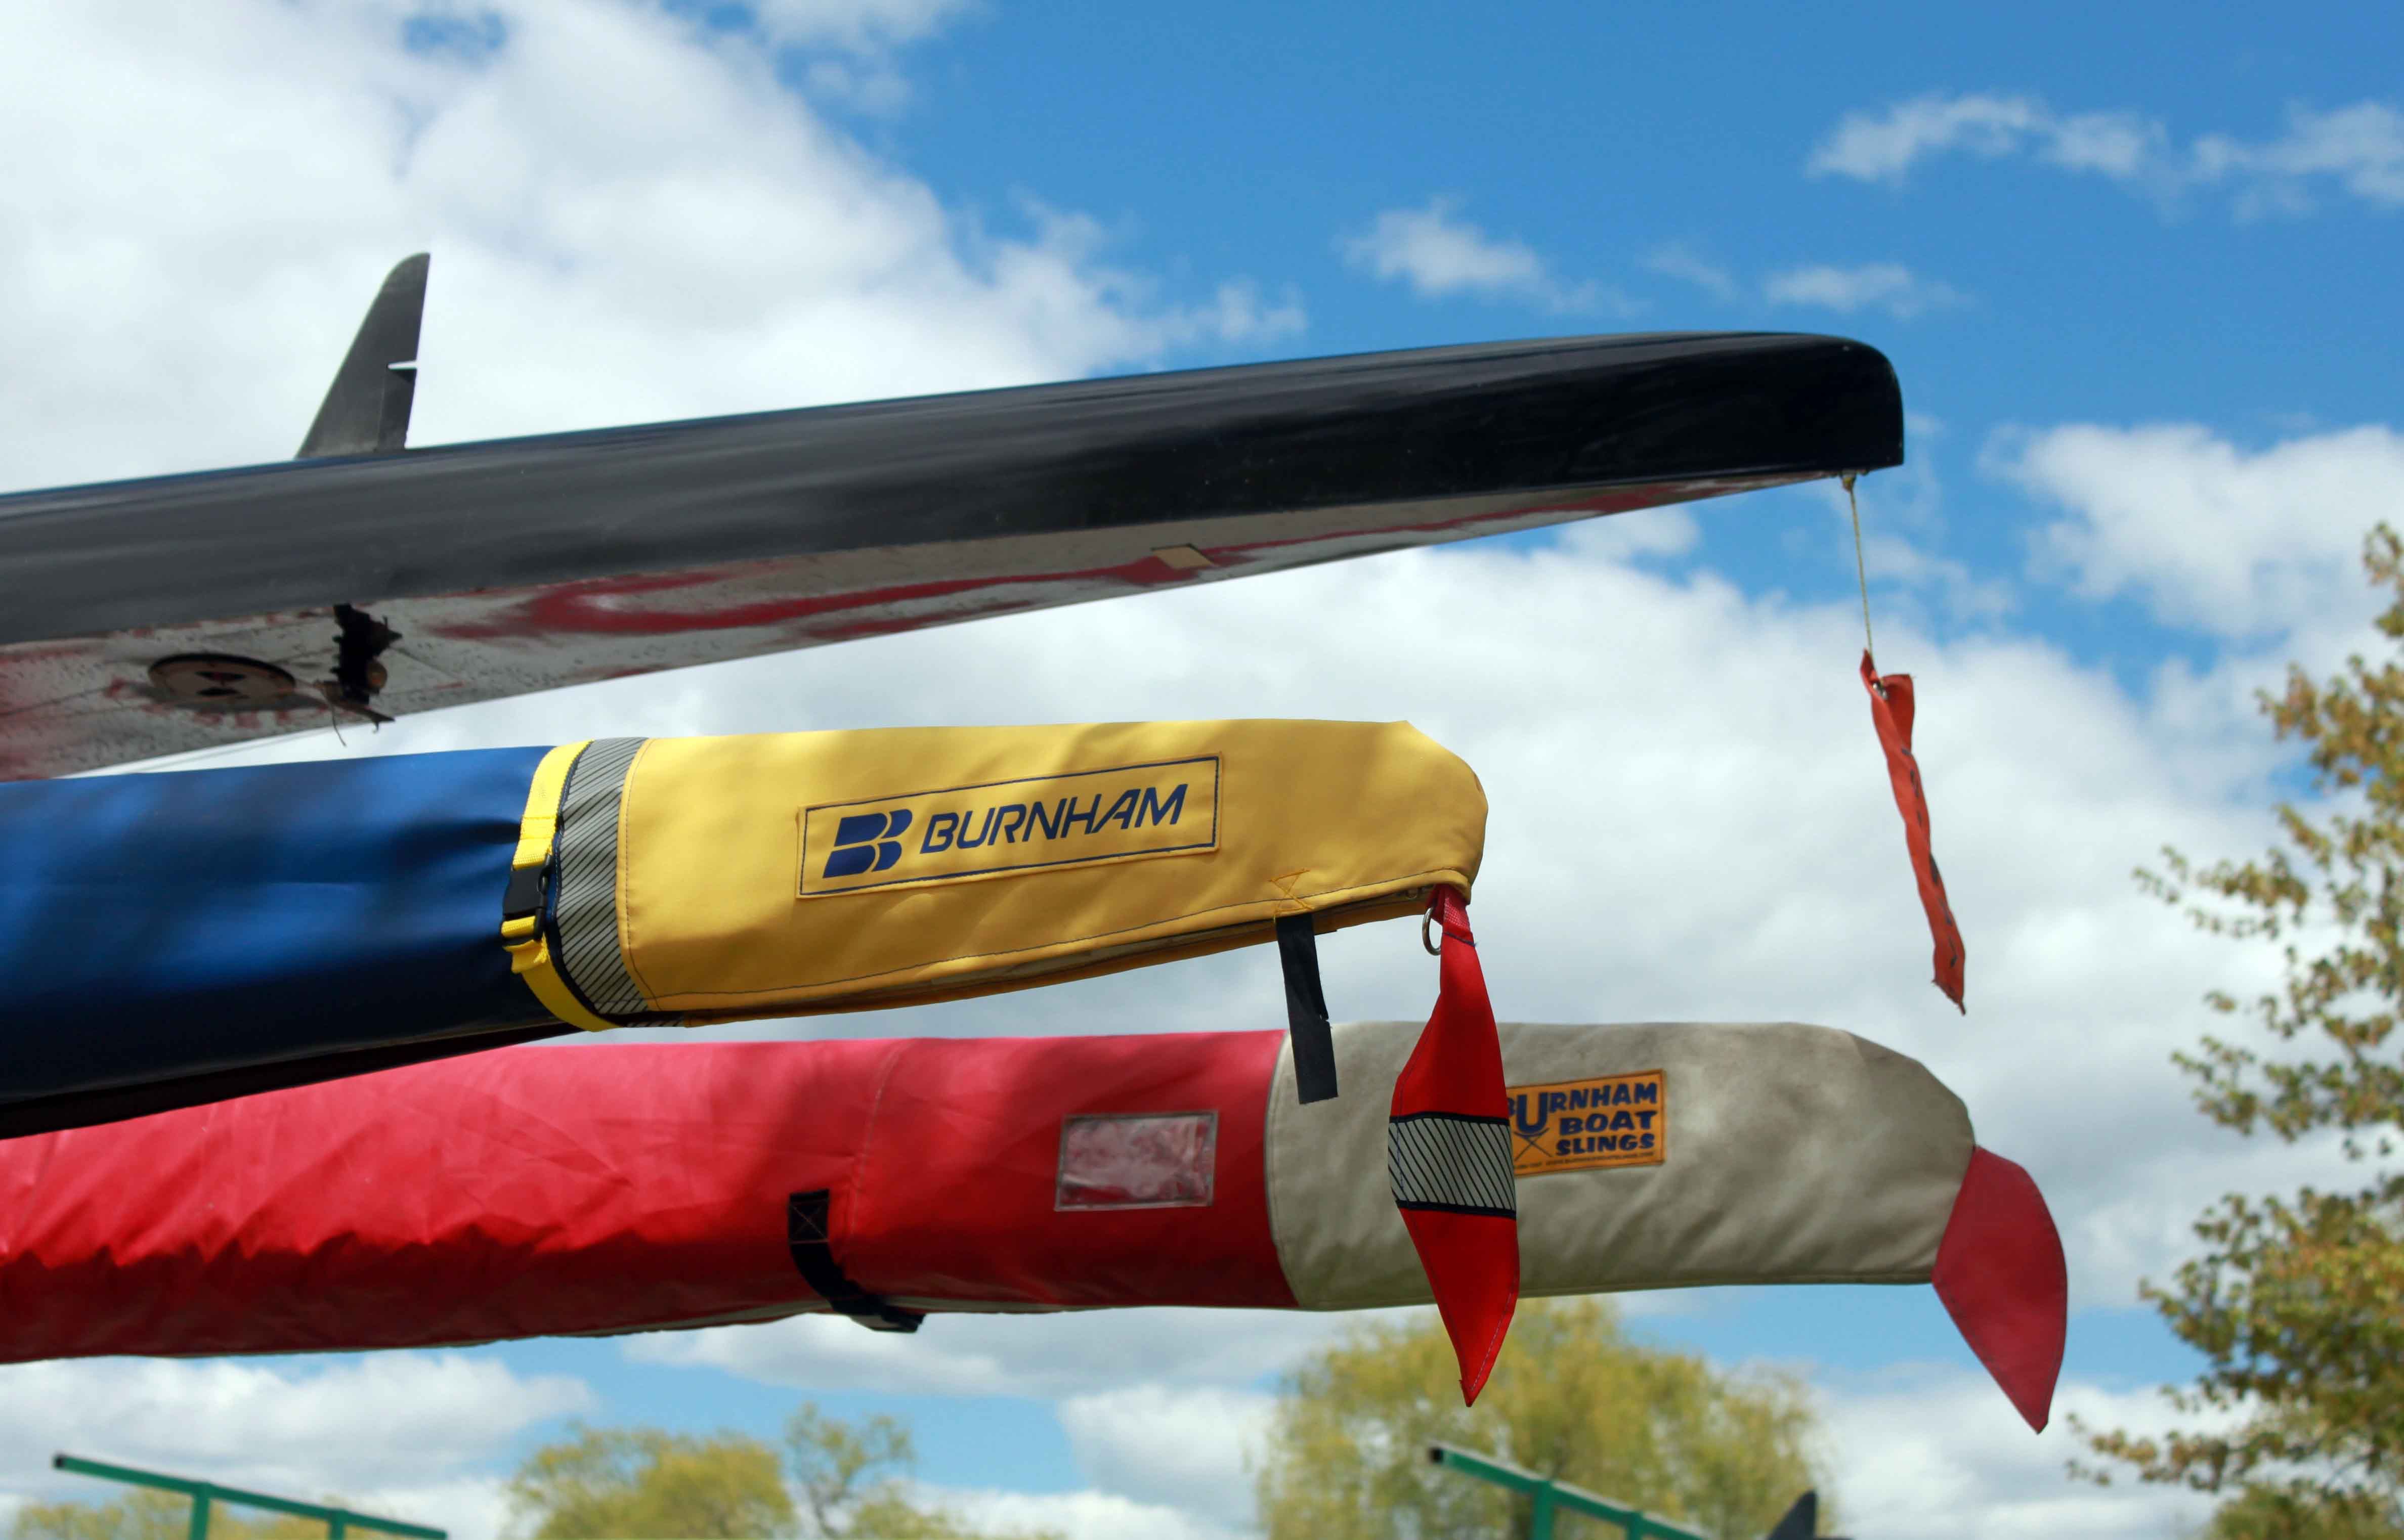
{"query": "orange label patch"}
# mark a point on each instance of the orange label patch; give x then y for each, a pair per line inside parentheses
(1579, 1125)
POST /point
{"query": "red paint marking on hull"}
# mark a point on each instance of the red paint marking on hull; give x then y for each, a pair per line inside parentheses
(582, 609)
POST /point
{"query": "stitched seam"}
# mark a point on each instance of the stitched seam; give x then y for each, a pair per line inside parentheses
(1271, 1164)
(625, 861)
(853, 1175)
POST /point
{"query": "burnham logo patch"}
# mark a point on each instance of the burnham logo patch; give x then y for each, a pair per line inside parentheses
(1122, 813)
(1578, 1125)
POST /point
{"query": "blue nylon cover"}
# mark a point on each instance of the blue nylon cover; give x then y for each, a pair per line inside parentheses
(153, 926)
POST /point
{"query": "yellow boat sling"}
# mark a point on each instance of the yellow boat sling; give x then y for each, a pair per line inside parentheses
(701, 880)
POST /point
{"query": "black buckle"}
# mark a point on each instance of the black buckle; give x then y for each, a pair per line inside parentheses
(524, 895)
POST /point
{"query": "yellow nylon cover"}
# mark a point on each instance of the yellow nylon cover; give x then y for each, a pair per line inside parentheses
(804, 872)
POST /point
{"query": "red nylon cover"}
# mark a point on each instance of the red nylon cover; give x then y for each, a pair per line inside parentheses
(621, 1188)
(1891, 707)
(2001, 1275)
(1471, 1259)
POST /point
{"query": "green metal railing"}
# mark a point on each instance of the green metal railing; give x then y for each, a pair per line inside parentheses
(1549, 1497)
(206, 1494)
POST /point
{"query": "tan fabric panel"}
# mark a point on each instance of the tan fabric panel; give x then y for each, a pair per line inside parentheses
(1786, 1154)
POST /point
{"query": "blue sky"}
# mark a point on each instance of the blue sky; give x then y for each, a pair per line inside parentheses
(2135, 268)
(1610, 142)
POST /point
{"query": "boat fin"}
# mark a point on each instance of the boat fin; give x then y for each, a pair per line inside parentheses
(1801, 1522)
(366, 410)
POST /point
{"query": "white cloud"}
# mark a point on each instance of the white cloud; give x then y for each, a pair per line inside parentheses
(2120, 145)
(1902, 522)
(1883, 147)
(1873, 148)
(1685, 264)
(2208, 534)
(1238, 314)
(1891, 558)
(1920, 1452)
(1075, 1515)
(1888, 286)
(392, 1428)
(856, 24)
(630, 220)
(2258, 551)
(1440, 256)
(1182, 1448)
(469, 1507)
(2359, 149)
(1039, 1355)
(847, 50)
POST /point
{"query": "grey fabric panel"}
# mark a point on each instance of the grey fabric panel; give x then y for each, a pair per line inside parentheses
(1793, 1154)
(1456, 1162)
(586, 900)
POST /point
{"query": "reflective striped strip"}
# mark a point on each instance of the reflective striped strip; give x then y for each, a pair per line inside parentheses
(1451, 1161)
(584, 905)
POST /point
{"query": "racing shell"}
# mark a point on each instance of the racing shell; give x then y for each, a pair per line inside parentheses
(617, 1189)
(183, 937)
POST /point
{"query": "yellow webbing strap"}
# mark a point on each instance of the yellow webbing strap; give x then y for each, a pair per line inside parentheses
(529, 956)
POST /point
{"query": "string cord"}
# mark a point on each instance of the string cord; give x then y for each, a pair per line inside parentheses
(1861, 568)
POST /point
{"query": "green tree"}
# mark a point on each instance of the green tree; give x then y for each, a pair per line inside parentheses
(147, 1514)
(852, 1477)
(2299, 1417)
(644, 1484)
(2263, 1514)
(274, 1526)
(142, 1514)
(843, 1467)
(1571, 1397)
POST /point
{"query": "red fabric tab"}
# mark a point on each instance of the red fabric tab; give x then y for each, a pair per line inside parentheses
(1470, 1259)
(2000, 1273)
(1891, 711)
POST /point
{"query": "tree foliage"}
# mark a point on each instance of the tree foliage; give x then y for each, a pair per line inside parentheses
(141, 1514)
(2299, 1415)
(1571, 1398)
(643, 1483)
(852, 1481)
(838, 1480)
(148, 1514)
(2263, 1513)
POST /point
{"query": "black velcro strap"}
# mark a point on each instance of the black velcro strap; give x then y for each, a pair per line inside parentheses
(1305, 1010)
(810, 1237)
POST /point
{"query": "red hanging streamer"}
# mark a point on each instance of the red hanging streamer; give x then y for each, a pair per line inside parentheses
(1891, 711)
(1449, 1154)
